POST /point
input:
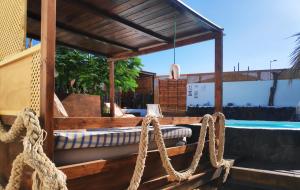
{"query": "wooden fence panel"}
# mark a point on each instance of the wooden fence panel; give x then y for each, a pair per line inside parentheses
(172, 95)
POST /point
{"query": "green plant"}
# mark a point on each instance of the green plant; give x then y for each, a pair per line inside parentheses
(80, 72)
(295, 58)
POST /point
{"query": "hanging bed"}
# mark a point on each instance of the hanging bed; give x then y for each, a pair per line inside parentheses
(99, 144)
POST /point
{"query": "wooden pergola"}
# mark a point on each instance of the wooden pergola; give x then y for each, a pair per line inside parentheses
(117, 30)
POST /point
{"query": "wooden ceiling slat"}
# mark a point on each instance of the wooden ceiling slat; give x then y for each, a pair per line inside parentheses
(98, 26)
(97, 11)
(180, 7)
(180, 42)
(139, 41)
(127, 36)
(85, 19)
(83, 33)
(120, 28)
(74, 40)
(158, 15)
(164, 22)
(139, 8)
(144, 10)
(129, 5)
(181, 29)
(168, 24)
(111, 4)
(111, 28)
(109, 33)
(120, 8)
(115, 6)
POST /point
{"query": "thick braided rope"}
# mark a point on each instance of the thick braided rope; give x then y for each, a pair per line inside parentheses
(173, 174)
(216, 160)
(219, 161)
(207, 122)
(46, 176)
(141, 159)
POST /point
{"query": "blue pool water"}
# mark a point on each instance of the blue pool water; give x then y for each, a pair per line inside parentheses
(262, 124)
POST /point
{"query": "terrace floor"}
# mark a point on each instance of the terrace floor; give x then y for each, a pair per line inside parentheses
(288, 169)
(265, 175)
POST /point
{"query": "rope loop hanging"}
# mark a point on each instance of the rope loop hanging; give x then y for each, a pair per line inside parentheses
(46, 176)
(216, 160)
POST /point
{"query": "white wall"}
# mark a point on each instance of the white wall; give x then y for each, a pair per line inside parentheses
(243, 93)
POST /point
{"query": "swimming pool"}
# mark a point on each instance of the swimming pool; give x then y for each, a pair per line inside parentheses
(262, 124)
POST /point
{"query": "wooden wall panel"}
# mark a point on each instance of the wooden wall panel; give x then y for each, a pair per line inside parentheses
(122, 169)
(82, 105)
(15, 81)
(172, 95)
(145, 85)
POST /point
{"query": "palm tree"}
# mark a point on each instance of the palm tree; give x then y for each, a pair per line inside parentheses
(295, 58)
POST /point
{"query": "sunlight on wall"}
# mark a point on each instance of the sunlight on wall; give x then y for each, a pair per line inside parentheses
(245, 93)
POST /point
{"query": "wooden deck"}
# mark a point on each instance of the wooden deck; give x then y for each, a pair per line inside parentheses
(266, 175)
(289, 169)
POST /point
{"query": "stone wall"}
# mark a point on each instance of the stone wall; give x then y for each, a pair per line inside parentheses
(274, 146)
(249, 113)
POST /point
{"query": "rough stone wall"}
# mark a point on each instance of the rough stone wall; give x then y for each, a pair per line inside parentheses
(274, 146)
(249, 113)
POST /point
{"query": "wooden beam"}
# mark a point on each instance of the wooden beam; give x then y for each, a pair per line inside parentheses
(62, 123)
(58, 42)
(80, 32)
(91, 168)
(48, 36)
(219, 72)
(126, 23)
(265, 178)
(160, 47)
(199, 179)
(112, 88)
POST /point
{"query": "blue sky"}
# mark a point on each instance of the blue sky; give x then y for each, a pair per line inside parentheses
(257, 31)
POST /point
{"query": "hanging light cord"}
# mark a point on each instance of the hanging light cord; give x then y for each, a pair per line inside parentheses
(175, 31)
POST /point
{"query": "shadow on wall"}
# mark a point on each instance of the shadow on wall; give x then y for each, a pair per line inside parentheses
(249, 113)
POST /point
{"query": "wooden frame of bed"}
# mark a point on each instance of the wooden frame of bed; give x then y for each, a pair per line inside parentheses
(97, 174)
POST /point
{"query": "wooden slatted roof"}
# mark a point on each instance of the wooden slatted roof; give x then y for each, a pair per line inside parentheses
(123, 28)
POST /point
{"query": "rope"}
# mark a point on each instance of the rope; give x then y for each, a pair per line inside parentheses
(141, 159)
(46, 176)
(216, 160)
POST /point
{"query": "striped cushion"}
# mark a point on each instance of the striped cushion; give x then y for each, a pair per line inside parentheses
(106, 137)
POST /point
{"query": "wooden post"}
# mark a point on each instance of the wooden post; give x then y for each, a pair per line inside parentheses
(112, 88)
(48, 38)
(219, 72)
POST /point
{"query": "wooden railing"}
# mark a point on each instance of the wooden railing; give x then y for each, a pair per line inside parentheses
(109, 122)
